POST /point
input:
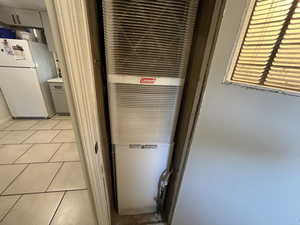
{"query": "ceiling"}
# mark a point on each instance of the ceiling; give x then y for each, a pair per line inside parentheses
(25, 4)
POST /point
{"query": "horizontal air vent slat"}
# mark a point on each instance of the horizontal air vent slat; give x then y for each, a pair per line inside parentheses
(148, 37)
(150, 111)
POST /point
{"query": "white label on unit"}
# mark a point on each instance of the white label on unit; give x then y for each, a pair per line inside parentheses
(147, 80)
(142, 146)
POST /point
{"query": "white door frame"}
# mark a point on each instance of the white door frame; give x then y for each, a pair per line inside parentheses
(71, 34)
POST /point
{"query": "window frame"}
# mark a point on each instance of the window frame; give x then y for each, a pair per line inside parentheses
(235, 54)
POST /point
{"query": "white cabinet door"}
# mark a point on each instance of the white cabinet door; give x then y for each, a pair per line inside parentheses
(20, 17)
(28, 18)
(7, 15)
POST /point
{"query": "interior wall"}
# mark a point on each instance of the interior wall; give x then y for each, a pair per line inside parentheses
(244, 164)
(4, 112)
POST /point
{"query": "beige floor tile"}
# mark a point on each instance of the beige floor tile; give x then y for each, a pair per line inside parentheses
(64, 136)
(3, 133)
(38, 153)
(35, 209)
(6, 124)
(69, 177)
(16, 137)
(45, 125)
(8, 173)
(67, 152)
(42, 136)
(75, 209)
(35, 178)
(6, 203)
(58, 117)
(64, 125)
(9, 153)
(22, 124)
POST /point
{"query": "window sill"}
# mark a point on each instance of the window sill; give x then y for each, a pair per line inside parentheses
(262, 88)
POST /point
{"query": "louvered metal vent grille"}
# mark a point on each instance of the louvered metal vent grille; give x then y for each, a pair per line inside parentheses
(270, 53)
(143, 114)
(148, 38)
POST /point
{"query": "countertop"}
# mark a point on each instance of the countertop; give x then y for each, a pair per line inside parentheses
(56, 80)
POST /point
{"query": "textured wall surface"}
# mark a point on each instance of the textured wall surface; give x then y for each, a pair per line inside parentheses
(244, 164)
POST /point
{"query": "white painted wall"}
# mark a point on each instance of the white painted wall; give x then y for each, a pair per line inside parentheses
(244, 165)
(4, 113)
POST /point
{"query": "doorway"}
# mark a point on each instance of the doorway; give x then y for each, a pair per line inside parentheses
(40, 164)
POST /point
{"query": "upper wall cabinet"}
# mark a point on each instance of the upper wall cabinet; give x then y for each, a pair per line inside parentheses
(28, 18)
(7, 15)
(20, 17)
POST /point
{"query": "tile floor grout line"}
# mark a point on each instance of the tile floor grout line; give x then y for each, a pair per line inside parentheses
(55, 136)
(62, 198)
(62, 129)
(42, 162)
(34, 131)
(9, 210)
(50, 127)
(29, 128)
(61, 144)
(65, 161)
(46, 128)
(34, 125)
(48, 142)
(44, 192)
(14, 162)
(10, 120)
(61, 121)
(10, 183)
(4, 135)
(54, 176)
(53, 128)
(39, 143)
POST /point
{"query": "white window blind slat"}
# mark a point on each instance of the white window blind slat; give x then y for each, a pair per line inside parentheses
(270, 52)
(286, 60)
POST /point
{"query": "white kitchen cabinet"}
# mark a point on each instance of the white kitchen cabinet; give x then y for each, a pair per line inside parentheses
(28, 18)
(7, 15)
(20, 17)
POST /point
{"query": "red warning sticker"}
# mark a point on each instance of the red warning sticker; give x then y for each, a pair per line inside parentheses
(147, 80)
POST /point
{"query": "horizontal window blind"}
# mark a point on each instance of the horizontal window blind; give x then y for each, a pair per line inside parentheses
(270, 52)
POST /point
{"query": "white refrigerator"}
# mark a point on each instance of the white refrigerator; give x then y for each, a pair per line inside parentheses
(25, 68)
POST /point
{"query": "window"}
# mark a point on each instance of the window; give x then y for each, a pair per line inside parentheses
(268, 53)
